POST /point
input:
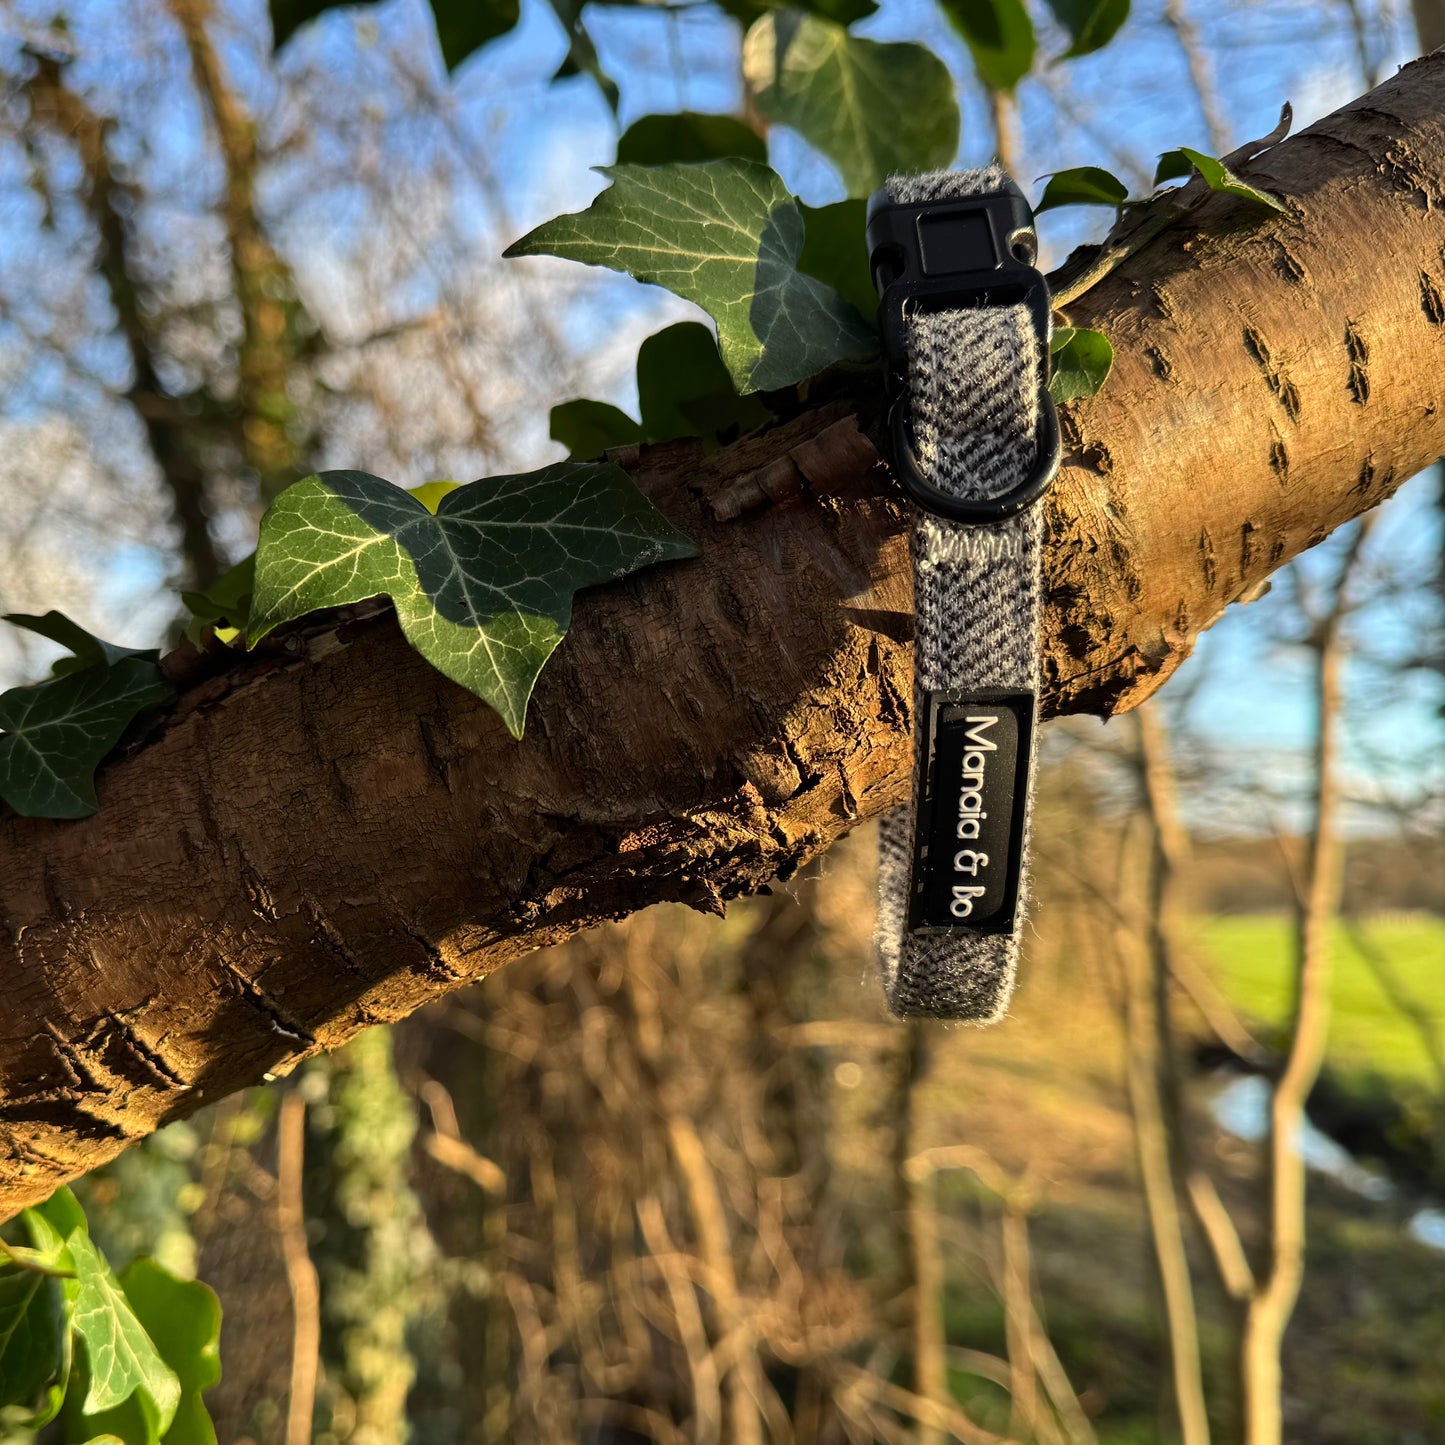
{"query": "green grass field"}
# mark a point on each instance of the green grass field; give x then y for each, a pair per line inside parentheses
(1251, 959)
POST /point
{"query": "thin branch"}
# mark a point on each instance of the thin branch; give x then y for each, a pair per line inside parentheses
(262, 282)
(691, 1333)
(1178, 19)
(1226, 1247)
(1360, 30)
(920, 1216)
(1273, 1302)
(1016, 1289)
(450, 1150)
(745, 1382)
(937, 1416)
(1147, 1039)
(1003, 110)
(300, 1272)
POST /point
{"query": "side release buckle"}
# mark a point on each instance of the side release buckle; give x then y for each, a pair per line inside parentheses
(942, 256)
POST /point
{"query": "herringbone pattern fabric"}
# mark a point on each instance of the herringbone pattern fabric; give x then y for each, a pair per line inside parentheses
(974, 382)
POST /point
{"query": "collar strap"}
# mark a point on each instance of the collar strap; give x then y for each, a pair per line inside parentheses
(965, 319)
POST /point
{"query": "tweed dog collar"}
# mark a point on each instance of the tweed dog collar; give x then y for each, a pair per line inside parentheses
(965, 319)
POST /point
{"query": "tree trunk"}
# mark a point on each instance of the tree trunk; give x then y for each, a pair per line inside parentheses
(327, 833)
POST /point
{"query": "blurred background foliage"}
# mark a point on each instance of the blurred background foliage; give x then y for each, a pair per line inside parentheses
(682, 1179)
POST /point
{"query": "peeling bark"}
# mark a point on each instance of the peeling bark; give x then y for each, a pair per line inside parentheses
(327, 834)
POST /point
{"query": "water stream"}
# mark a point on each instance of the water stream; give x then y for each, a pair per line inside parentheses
(1241, 1106)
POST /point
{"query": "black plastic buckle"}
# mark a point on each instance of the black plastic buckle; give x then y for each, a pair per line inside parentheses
(941, 256)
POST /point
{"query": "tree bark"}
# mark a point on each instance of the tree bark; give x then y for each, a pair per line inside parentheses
(326, 834)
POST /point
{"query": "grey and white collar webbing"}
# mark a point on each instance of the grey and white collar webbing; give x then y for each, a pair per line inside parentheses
(966, 330)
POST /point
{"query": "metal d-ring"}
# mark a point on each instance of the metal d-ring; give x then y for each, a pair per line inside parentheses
(976, 511)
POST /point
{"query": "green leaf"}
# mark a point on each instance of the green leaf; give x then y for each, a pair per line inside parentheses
(52, 1223)
(587, 428)
(87, 650)
(657, 140)
(1080, 362)
(465, 26)
(430, 494)
(225, 605)
(32, 1335)
(483, 589)
(845, 12)
(120, 1360)
(874, 109)
(1000, 37)
(183, 1321)
(27, 1258)
(50, 1226)
(582, 57)
(1173, 165)
(835, 250)
(53, 734)
(727, 235)
(1091, 24)
(1217, 176)
(288, 16)
(1082, 186)
(685, 390)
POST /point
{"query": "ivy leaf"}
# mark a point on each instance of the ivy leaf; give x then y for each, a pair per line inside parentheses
(1000, 37)
(1217, 176)
(657, 140)
(874, 109)
(87, 649)
(582, 57)
(183, 1321)
(845, 12)
(51, 1225)
(53, 734)
(121, 1361)
(835, 250)
(685, 390)
(1082, 186)
(430, 494)
(1091, 24)
(32, 1335)
(588, 428)
(1080, 363)
(1173, 165)
(288, 16)
(225, 605)
(483, 589)
(465, 26)
(727, 235)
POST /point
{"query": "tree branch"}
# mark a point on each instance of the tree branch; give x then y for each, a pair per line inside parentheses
(326, 834)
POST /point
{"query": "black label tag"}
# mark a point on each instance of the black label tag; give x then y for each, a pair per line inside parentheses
(967, 850)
